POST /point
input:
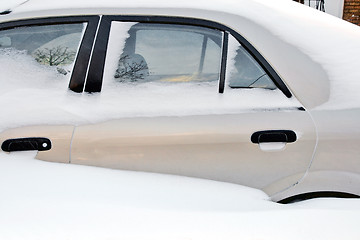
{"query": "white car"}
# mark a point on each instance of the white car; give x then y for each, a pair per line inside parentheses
(234, 91)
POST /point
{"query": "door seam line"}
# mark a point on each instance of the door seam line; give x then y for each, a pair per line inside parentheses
(311, 160)
(71, 143)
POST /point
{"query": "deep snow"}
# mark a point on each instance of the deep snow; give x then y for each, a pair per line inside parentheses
(41, 200)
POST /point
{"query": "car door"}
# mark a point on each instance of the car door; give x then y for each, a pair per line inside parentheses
(37, 62)
(193, 99)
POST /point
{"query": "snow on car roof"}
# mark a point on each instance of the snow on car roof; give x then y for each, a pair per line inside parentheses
(315, 48)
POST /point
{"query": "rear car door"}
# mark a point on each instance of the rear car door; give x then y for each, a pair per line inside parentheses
(192, 98)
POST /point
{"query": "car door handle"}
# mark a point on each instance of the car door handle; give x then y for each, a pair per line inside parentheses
(270, 136)
(26, 144)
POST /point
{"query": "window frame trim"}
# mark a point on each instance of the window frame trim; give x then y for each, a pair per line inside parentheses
(224, 54)
(97, 63)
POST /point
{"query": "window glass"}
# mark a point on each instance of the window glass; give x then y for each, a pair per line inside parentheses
(39, 56)
(242, 69)
(162, 53)
(173, 70)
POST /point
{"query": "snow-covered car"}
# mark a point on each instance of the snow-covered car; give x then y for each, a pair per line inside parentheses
(258, 93)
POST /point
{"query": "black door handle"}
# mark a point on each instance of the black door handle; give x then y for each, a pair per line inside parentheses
(286, 136)
(26, 144)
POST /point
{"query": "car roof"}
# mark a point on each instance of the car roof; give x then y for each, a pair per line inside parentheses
(295, 39)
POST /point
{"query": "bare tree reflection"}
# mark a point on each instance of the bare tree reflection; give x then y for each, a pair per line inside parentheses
(131, 67)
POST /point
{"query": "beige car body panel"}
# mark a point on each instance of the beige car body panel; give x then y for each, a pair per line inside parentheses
(215, 147)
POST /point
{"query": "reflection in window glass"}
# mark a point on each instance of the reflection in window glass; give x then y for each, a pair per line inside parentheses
(163, 53)
(243, 71)
(170, 52)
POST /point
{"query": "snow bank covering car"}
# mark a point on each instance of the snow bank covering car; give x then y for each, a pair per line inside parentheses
(257, 93)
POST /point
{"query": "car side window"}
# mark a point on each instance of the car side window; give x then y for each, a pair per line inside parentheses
(170, 53)
(243, 71)
(39, 54)
(162, 53)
